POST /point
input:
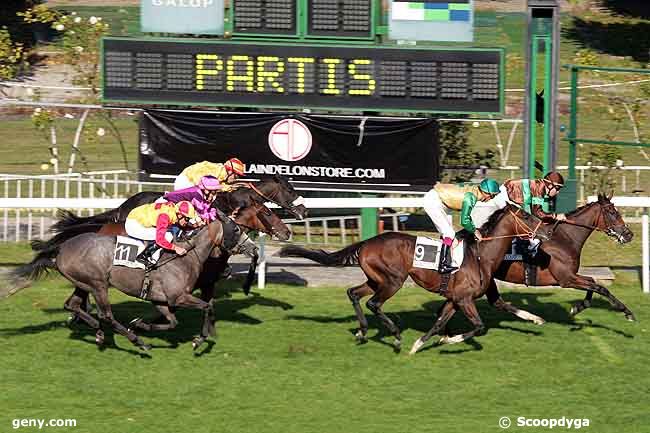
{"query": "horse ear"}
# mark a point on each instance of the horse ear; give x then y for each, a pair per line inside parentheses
(600, 196)
(610, 195)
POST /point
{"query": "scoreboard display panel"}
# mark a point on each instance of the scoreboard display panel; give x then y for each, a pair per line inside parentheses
(276, 75)
(348, 19)
(264, 17)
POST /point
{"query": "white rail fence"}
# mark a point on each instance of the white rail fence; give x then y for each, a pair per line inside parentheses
(24, 219)
(31, 205)
(122, 183)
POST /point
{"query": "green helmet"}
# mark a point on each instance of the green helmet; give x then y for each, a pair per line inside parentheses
(489, 186)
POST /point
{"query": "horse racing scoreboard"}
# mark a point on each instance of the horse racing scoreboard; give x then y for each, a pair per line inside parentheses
(302, 75)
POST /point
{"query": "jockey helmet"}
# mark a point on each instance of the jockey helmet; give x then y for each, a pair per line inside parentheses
(234, 165)
(489, 186)
(209, 183)
(185, 208)
(555, 178)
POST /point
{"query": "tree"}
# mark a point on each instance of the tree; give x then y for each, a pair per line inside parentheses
(458, 160)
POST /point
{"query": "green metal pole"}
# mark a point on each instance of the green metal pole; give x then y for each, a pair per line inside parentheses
(573, 123)
(532, 130)
(369, 221)
(303, 18)
(548, 75)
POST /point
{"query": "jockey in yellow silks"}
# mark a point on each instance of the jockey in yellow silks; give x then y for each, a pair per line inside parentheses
(150, 222)
(227, 173)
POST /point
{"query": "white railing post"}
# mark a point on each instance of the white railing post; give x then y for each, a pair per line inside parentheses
(645, 251)
(261, 267)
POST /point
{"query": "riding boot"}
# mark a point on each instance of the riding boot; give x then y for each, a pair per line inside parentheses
(530, 265)
(145, 256)
(231, 231)
(445, 265)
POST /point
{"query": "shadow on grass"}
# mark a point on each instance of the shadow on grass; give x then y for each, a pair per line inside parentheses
(189, 322)
(422, 320)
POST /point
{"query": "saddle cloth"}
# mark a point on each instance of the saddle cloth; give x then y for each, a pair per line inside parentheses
(427, 253)
(127, 249)
(520, 251)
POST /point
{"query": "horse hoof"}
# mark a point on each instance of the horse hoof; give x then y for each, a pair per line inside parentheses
(451, 340)
(630, 317)
(416, 346)
(574, 310)
(361, 337)
(397, 345)
(145, 347)
(197, 342)
(99, 338)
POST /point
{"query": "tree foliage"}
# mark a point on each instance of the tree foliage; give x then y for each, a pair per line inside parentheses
(459, 161)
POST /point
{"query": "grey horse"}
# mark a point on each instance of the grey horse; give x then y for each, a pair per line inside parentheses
(87, 262)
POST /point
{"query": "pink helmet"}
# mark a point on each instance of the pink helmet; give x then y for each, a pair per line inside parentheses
(209, 183)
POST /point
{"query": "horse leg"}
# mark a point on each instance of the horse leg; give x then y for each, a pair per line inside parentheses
(187, 300)
(75, 304)
(495, 299)
(165, 313)
(106, 316)
(375, 303)
(355, 294)
(587, 283)
(79, 299)
(445, 313)
(582, 305)
(468, 307)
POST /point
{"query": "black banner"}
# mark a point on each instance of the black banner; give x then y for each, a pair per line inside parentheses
(317, 151)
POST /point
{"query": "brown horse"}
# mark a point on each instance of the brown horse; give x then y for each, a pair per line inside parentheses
(387, 260)
(560, 260)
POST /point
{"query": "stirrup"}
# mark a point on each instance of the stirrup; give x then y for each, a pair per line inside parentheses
(446, 269)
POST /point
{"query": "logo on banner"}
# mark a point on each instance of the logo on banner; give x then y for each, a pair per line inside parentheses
(290, 140)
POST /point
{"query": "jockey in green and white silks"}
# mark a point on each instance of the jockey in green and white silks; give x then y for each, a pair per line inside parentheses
(463, 198)
(535, 196)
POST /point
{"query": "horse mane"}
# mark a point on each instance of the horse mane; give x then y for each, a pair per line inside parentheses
(577, 210)
(485, 229)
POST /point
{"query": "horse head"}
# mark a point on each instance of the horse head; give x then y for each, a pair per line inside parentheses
(279, 191)
(258, 217)
(610, 220)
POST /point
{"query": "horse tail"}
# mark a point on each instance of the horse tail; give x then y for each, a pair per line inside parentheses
(67, 219)
(63, 235)
(41, 264)
(347, 256)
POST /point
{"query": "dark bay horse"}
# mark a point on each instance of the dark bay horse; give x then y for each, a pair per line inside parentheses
(86, 261)
(387, 260)
(559, 261)
(275, 189)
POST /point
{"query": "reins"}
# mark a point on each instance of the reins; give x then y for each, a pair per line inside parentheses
(527, 233)
(272, 199)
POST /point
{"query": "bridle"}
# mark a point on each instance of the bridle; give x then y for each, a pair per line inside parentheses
(267, 225)
(609, 230)
(274, 198)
